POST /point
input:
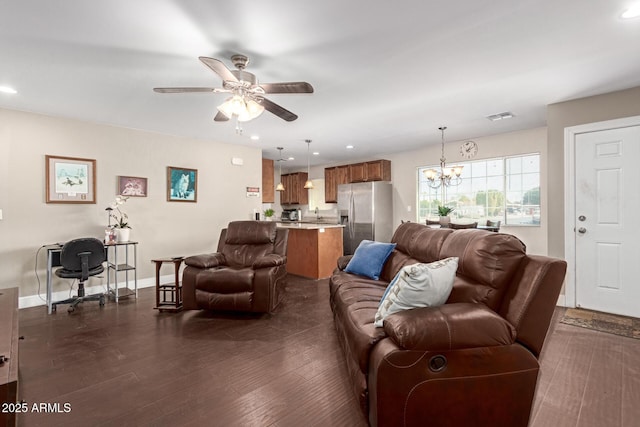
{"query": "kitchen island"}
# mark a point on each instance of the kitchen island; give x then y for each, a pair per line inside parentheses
(313, 248)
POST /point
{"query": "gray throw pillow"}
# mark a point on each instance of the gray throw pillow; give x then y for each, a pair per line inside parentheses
(418, 285)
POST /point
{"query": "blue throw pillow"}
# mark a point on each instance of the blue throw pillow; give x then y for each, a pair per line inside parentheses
(369, 258)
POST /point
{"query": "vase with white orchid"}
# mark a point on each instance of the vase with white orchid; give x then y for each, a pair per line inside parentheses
(121, 218)
(121, 227)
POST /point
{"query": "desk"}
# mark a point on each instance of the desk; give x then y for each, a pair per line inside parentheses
(111, 255)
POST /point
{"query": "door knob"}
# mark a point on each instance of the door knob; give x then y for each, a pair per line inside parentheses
(582, 230)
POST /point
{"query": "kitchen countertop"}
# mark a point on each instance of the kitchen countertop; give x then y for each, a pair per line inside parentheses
(307, 225)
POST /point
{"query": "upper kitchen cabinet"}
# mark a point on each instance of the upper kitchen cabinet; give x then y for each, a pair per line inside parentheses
(268, 190)
(377, 170)
(332, 178)
(294, 192)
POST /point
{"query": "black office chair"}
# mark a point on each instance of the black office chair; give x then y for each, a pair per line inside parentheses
(81, 259)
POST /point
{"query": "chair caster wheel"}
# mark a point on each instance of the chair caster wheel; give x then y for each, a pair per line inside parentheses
(101, 301)
(71, 309)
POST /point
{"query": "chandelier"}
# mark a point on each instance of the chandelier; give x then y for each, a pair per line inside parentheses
(446, 176)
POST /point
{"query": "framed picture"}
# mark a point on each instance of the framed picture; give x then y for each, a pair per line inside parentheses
(182, 184)
(70, 180)
(132, 186)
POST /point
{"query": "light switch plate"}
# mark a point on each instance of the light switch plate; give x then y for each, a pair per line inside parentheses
(0, 213)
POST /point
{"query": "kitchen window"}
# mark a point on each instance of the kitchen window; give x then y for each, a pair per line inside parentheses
(503, 189)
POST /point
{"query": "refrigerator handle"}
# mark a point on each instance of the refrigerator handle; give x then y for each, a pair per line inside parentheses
(352, 210)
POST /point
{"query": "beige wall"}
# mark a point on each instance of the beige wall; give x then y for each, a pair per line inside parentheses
(162, 228)
(599, 108)
(404, 176)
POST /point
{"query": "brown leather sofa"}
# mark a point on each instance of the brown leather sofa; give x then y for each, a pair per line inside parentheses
(245, 274)
(470, 362)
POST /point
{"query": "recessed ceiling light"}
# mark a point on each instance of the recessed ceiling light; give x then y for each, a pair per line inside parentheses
(500, 116)
(632, 12)
(291, 158)
(315, 153)
(255, 137)
(7, 89)
(349, 147)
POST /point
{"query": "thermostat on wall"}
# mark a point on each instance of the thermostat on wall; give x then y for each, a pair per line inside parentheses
(237, 161)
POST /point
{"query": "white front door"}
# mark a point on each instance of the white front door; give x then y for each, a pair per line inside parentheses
(607, 220)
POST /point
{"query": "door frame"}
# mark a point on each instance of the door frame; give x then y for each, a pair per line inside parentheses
(570, 133)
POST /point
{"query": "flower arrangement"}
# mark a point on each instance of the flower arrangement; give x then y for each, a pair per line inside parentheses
(268, 213)
(121, 218)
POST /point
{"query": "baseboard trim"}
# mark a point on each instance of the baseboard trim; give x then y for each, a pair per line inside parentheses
(562, 300)
(40, 299)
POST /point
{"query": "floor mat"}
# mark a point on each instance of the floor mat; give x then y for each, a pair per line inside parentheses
(603, 322)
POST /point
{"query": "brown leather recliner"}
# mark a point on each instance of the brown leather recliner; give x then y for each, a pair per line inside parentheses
(246, 274)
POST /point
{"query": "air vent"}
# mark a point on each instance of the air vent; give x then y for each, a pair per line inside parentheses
(500, 116)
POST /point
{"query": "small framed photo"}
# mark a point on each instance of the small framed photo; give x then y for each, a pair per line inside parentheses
(132, 186)
(182, 184)
(70, 180)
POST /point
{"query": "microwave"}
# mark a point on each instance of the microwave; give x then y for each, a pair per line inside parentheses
(290, 215)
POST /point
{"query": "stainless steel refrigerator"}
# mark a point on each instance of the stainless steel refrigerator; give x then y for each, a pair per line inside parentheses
(365, 209)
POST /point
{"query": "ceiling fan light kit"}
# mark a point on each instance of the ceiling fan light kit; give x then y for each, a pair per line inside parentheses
(247, 100)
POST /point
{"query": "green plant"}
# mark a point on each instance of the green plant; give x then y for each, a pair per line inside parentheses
(444, 210)
(268, 213)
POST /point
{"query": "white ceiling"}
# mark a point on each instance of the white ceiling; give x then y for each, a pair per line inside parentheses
(386, 74)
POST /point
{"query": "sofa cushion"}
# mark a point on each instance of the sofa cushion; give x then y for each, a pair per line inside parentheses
(418, 285)
(225, 280)
(250, 233)
(488, 262)
(354, 300)
(415, 243)
(369, 258)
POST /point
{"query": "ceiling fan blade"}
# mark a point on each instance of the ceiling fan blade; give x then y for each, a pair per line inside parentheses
(279, 111)
(220, 117)
(184, 89)
(219, 68)
(287, 87)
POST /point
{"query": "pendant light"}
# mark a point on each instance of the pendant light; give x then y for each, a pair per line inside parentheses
(280, 187)
(308, 185)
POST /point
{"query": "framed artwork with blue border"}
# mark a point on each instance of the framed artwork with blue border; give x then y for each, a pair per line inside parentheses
(182, 184)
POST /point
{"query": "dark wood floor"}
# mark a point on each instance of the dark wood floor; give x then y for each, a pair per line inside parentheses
(127, 364)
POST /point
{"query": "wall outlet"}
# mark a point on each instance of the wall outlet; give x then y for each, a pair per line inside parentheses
(0, 213)
(409, 208)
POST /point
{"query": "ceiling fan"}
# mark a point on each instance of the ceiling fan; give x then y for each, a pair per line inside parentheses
(247, 101)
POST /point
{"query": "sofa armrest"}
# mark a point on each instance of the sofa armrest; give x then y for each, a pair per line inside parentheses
(270, 260)
(343, 261)
(449, 327)
(205, 260)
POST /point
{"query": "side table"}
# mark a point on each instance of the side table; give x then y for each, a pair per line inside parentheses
(172, 292)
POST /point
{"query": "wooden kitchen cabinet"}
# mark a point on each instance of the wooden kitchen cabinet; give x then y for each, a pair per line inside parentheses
(333, 177)
(294, 192)
(268, 186)
(377, 170)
